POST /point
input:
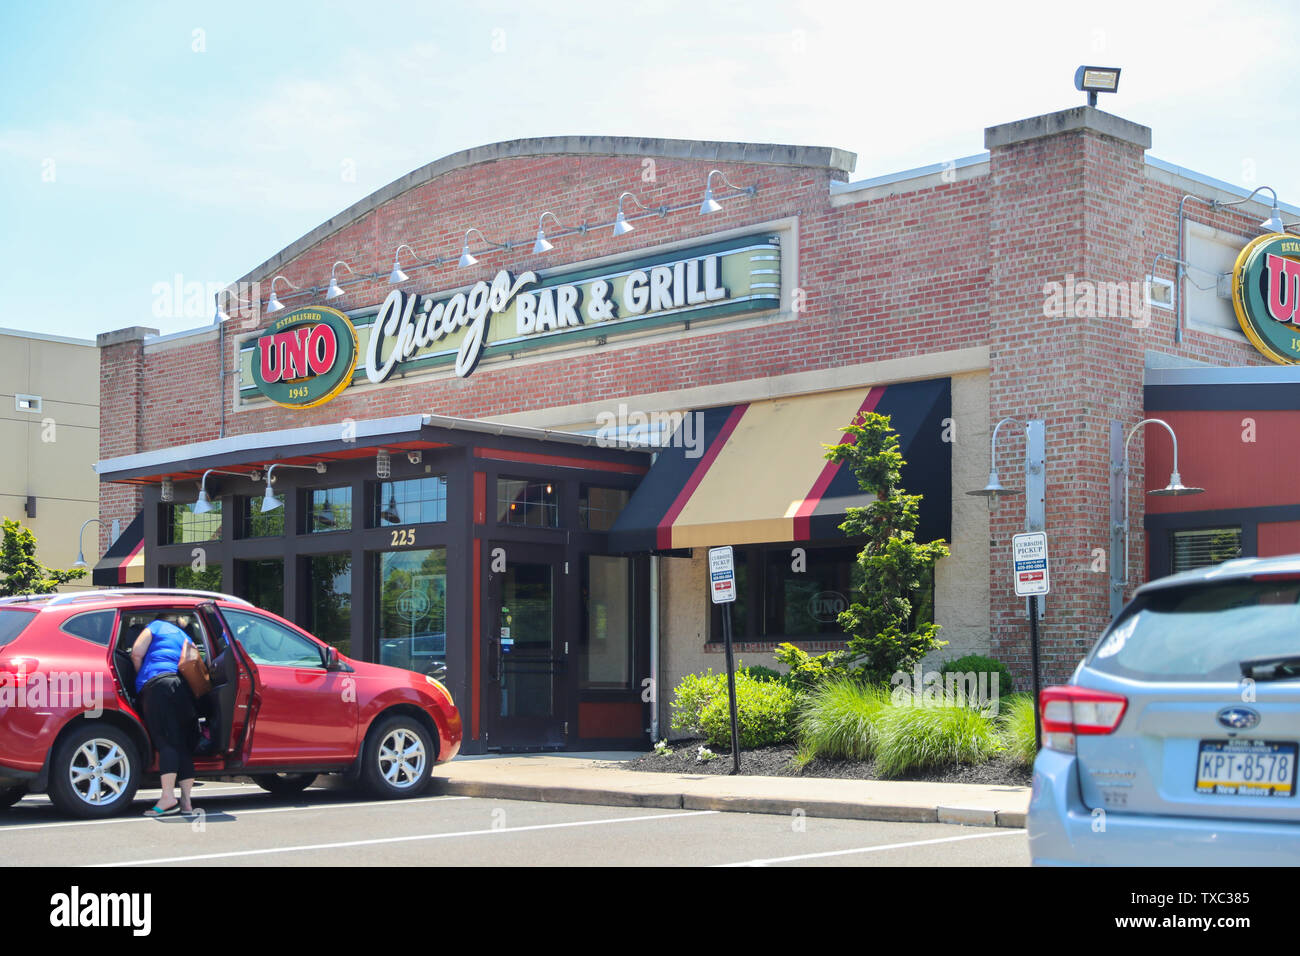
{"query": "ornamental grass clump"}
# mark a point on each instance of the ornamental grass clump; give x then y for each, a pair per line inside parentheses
(838, 719)
(910, 738)
(1016, 723)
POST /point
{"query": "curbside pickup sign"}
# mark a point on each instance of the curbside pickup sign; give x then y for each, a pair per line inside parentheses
(1029, 556)
(722, 575)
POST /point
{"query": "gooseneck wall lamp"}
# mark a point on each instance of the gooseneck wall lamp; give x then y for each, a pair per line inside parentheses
(81, 553)
(542, 244)
(269, 501)
(712, 205)
(204, 504)
(335, 290)
(273, 304)
(1274, 221)
(993, 490)
(466, 259)
(1035, 472)
(1120, 509)
(397, 275)
(621, 226)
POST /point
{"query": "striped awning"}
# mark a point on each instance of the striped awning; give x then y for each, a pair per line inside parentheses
(123, 563)
(757, 473)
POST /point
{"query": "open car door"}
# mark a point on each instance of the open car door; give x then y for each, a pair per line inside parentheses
(231, 687)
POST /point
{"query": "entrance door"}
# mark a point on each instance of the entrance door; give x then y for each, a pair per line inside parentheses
(524, 701)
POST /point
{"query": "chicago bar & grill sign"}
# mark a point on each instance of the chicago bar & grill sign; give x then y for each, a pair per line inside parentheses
(289, 362)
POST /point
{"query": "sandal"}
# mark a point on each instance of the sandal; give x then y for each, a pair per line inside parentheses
(157, 811)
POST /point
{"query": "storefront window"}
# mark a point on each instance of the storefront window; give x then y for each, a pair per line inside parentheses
(598, 508)
(608, 635)
(181, 525)
(262, 583)
(256, 523)
(412, 596)
(805, 599)
(329, 599)
(531, 504)
(185, 576)
(782, 596)
(329, 509)
(412, 501)
(1204, 547)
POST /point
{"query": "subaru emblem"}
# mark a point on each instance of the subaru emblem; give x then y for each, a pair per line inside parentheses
(1238, 718)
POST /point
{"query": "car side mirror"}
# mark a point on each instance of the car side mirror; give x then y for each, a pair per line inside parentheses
(332, 659)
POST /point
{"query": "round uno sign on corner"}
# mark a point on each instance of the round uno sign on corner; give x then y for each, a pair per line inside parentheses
(1266, 295)
(305, 358)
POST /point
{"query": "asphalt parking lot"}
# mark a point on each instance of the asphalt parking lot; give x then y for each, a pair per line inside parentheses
(241, 825)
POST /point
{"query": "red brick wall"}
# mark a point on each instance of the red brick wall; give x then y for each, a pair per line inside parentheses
(121, 396)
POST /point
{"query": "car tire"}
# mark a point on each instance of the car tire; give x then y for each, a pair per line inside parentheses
(95, 771)
(11, 795)
(285, 784)
(398, 758)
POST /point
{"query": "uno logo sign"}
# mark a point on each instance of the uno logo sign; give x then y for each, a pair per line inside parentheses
(1266, 296)
(306, 357)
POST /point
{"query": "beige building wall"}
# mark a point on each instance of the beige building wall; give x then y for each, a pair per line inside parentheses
(961, 579)
(48, 453)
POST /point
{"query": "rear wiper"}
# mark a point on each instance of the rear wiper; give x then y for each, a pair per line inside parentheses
(1279, 667)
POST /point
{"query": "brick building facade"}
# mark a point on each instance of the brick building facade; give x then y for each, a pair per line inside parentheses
(937, 276)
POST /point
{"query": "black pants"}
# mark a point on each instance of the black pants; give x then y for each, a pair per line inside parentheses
(169, 713)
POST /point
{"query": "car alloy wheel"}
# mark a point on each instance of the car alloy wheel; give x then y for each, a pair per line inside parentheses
(402, 758)
(99, 772)
(95, 770)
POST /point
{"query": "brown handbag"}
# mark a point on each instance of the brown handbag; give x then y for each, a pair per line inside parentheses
(195, 671)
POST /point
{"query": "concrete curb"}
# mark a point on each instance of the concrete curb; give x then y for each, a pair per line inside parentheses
(731, 803)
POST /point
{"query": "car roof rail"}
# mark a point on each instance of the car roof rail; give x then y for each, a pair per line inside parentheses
(137, 592)
(28, 598)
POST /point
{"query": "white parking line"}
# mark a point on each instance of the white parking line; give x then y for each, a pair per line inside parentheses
(872, 849)
(211, 810)
(405, 839)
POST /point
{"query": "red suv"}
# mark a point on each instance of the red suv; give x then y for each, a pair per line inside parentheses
(284, 706)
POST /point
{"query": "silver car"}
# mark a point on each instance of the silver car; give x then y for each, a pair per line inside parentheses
(1175, 741)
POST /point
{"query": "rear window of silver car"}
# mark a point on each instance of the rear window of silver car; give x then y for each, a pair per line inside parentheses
(1202, 632)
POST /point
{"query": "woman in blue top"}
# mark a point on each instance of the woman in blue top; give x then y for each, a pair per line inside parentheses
(168, 708)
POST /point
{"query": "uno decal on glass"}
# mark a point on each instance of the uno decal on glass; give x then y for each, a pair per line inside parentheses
(306, 357)
(1266, 296)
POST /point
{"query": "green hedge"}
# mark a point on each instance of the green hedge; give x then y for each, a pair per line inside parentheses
(978, 664)
(764, 713)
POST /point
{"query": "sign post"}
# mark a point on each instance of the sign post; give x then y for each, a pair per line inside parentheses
(722, 588)
(1029, 559)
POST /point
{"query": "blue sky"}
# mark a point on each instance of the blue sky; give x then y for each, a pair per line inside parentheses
(142, 141)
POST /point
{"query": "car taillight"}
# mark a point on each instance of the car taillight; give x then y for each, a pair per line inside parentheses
(15, 670)
(1070, 710)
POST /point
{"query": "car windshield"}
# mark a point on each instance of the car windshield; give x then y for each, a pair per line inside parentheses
(1202, 632)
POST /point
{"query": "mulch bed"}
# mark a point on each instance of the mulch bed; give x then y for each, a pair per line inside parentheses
(778, 761)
